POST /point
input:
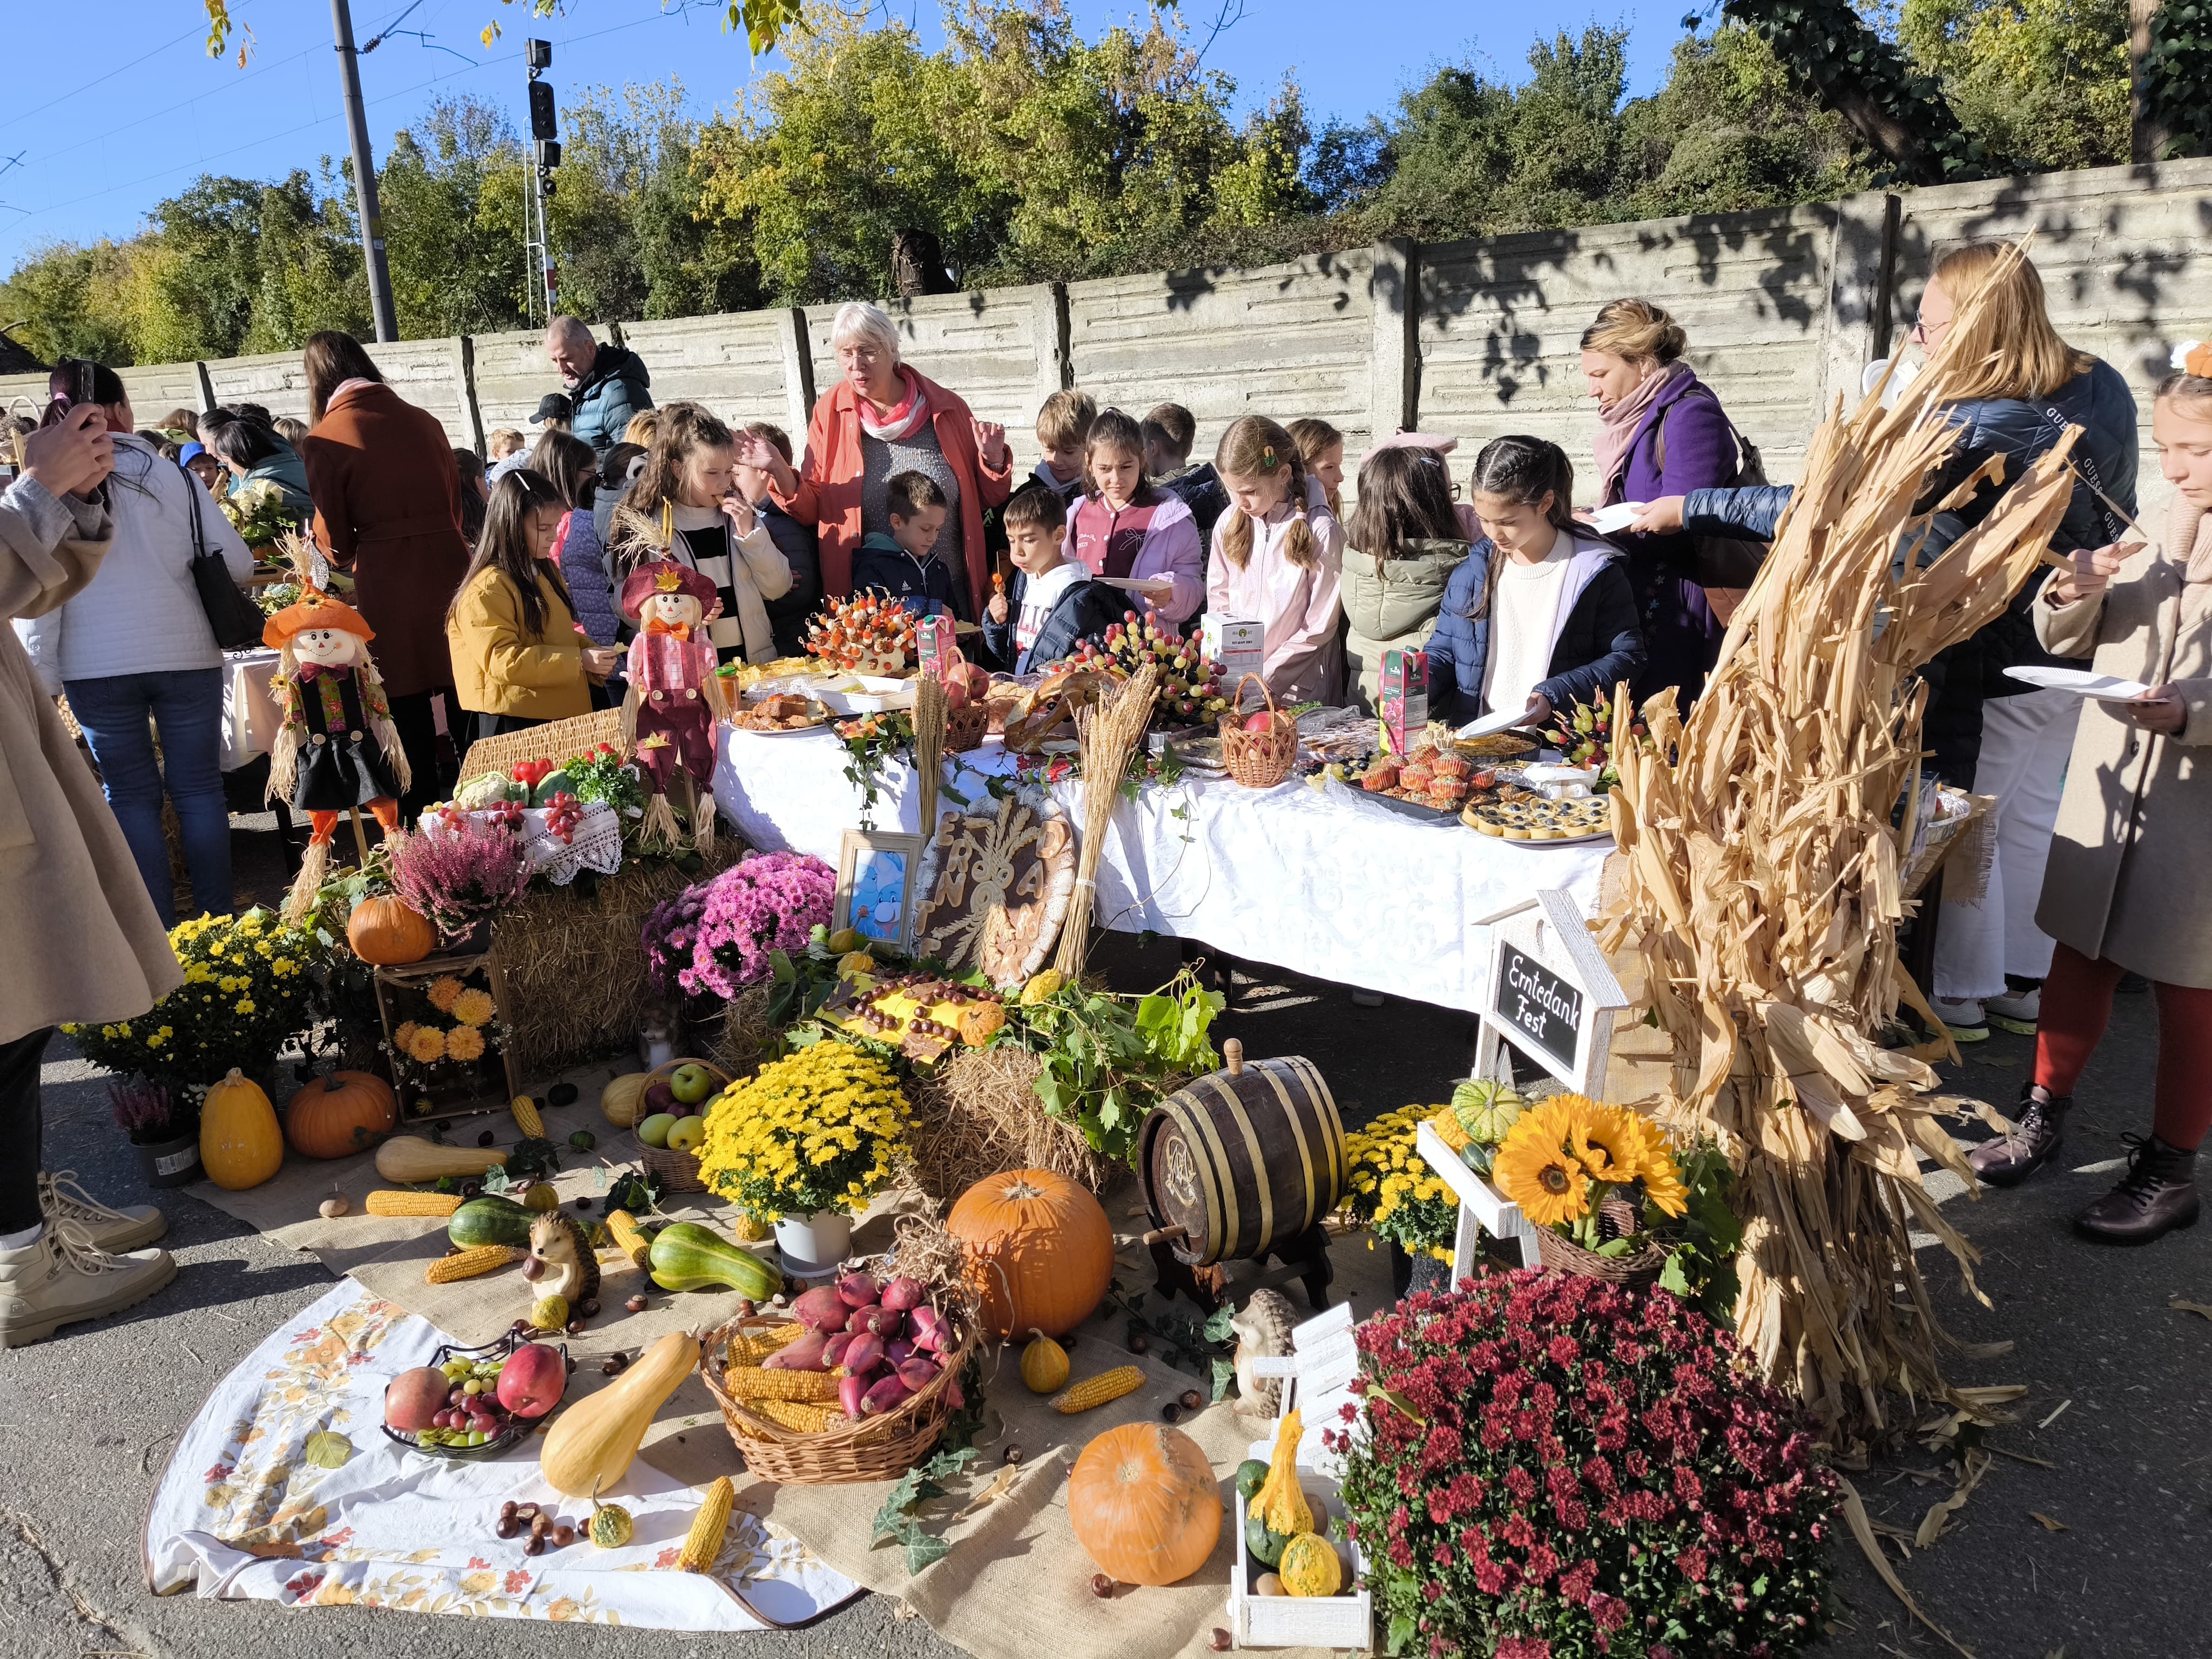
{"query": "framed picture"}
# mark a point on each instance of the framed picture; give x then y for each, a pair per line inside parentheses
(875, 886)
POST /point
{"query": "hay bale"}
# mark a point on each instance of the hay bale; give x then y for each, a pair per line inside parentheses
(574, 963)
(747, 1037)
(977, 1114)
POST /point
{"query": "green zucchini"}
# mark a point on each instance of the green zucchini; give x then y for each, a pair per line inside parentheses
(490, 1219)
(687, 1256)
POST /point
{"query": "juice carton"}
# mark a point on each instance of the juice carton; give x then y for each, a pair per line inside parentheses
(1405, 699)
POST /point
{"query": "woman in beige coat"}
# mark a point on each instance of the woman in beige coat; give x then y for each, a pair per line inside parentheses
(80, 931)
(2125, 886)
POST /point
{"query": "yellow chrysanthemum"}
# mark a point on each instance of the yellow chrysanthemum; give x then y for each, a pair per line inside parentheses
(405, 1034)
(464, 1043)
(444, 991)
(427, 1046)
(473, 1007)
(1534, 1168)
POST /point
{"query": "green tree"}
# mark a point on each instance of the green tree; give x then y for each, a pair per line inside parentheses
(69, 301)
(453, 192)
(2042, 82)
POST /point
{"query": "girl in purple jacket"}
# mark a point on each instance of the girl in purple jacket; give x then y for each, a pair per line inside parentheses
(1662, 432)
(1126, 528)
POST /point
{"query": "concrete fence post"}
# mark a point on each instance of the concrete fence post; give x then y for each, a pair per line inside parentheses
(1393, 395)
(465, 390)
(798, 372)
(207, 387)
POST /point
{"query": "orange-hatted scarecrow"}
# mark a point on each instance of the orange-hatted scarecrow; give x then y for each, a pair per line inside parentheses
(338, 751)
(675, 697)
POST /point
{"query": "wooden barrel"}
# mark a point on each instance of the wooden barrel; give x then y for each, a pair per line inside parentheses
(1244, 1159)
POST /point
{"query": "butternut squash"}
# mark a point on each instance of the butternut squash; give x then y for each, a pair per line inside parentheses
(405, 1158)
(590, 1445)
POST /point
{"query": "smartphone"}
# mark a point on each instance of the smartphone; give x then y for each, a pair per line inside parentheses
(84, 388)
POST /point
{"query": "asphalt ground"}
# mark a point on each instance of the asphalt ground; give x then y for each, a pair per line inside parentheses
(2123, 1468)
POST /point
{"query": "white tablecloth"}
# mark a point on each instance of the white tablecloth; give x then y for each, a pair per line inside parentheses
(1324, 882)
(250, 715)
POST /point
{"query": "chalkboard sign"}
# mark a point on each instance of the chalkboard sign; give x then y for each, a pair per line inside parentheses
(1540, 1007)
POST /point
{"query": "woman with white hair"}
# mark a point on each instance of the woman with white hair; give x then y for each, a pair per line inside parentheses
(883, 419)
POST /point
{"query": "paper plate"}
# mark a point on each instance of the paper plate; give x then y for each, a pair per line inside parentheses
(1490, 725)
(2081, 683)
(1608, 520)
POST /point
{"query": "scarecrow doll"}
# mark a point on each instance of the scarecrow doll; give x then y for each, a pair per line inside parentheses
(675, 697)
(338, 751)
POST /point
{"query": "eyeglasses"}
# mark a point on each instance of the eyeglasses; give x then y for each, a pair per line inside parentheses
(1924, 329)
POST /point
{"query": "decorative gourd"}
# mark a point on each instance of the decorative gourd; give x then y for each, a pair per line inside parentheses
(1143, 1503)
(1044, 1364)
(620, 1098)
(1310, 1566)
(241, 1144)
(410, 1158)
(550, 1313)
(589, 1447)
(686, 1256)
(1040, 1251)
(490, 1219)
(1485, 1109)
(1281, 1502)
(1251, 1475)
(385, 934)
(1043, 984)
(854, 964)
(611, 1525)
(1266, 1547)
(338, 1115)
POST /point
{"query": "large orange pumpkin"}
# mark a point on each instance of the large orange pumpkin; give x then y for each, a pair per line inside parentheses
(1040, 1251)
(1144, 1504)
(337, 1116)
(384, 931)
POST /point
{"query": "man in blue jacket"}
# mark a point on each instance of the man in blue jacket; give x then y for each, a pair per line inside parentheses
(606, 383)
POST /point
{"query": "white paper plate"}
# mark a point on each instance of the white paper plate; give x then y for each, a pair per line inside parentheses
(1490, 725)
(2081, 683)
(1608, 520)
(1137, 584)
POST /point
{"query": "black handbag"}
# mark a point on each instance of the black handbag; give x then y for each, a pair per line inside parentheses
(236, 620)
(1726, 563)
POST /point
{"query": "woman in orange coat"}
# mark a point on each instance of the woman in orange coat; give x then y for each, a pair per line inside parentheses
(882, 419)
(388, 509)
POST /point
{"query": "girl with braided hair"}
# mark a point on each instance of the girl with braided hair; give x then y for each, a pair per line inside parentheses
(1277, 552)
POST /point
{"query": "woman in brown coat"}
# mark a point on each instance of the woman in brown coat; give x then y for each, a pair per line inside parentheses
(2125, 886)
(388, 508)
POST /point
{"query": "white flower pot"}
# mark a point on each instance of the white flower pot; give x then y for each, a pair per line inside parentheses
(813, 1245)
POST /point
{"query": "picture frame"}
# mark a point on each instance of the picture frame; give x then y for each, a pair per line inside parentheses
(876, 872)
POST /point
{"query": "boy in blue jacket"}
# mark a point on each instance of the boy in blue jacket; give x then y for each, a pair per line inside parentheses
(904, 564)
(1055, 605)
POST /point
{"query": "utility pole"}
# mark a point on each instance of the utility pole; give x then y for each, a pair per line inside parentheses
(545, 156)
(364, 177)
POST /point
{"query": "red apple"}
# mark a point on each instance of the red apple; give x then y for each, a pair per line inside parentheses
(1262, 722)
(658, 1098)
(531, 1381)
(413, 1398)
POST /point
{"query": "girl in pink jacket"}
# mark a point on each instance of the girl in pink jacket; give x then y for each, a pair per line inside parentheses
(1124, 528)
(1277, 555)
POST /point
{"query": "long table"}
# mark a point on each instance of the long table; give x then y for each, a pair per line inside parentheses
(1325, 882)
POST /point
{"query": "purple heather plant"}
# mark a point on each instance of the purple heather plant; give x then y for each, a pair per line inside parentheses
(714, 937)
(146, 1112)
(461, 875)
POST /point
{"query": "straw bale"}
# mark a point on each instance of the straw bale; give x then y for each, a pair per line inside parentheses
(977, 1113)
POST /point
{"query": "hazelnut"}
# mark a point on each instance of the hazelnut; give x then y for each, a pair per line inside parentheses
(1102, 1587)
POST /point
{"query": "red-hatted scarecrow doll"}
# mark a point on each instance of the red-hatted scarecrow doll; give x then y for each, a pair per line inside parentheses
(338, 751)
(675, 697)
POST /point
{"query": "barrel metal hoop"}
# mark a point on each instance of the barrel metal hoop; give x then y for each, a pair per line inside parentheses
(1331, 1123)
(1221, 1215)
(1261, 1185)
(1292, 1115)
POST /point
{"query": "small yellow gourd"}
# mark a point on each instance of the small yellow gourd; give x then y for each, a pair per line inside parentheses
(589, 1447)
(1044, 1364)
(854, 964)
(550, 1313)
(1281, 1502)
(1311, 1566)
(610, 1525)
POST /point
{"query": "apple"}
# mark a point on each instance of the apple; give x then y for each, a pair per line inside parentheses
(685, 1134)
(691, 1083)
(413, 1397)
(1260, 723)
(659, 1098)
(532, 1380)
(654, 1131)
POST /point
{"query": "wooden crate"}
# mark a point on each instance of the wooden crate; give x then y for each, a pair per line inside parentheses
(488, 1084)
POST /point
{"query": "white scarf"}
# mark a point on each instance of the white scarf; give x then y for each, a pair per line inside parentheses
(912, 410)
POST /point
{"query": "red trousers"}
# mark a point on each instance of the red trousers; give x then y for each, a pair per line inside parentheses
(2077, 1004)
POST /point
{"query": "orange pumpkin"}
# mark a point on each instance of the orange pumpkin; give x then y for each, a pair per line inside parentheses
(1040, 1251)
(1144, 1504)
(337, 1116)
(384, 931)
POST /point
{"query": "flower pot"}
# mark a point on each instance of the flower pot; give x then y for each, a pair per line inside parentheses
(171, 1163)
(1409, 1273)
(813, 1245)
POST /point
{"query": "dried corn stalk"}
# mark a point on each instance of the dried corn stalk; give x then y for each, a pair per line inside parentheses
(1108, 733)
(1762, 896)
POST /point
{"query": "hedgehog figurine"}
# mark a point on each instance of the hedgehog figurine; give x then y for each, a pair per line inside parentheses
(1263, 1327)
(561, 1260)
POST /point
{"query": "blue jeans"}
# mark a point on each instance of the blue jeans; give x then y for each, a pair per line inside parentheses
(187, 706)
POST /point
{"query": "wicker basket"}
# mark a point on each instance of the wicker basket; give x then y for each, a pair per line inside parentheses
(966, 727)
(556, 740)
(1258, 760)
(1617, 1220)
(679, 1171)
(878, 1448)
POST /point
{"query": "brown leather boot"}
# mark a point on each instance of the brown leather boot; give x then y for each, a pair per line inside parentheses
(2157, 1195)
(2039, 1130)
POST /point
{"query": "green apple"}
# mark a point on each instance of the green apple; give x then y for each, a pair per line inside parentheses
(686, 1134)
(691, 1083)
(653, 1131)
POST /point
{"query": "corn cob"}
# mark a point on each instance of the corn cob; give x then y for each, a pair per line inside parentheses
(472, 1263)
(750, 1348)
(704, 1542)
(807, 1417)
(623, 1225)
(1098, 1390)
(525, 1117)
(751, 1382)
(389, 1202)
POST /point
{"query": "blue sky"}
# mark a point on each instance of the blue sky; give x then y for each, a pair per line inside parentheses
(113, 105)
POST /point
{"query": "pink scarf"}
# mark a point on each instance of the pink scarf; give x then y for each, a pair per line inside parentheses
(912, 410)
(1616, 431)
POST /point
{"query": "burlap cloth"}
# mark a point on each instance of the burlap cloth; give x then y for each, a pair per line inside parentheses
(1016, 1583)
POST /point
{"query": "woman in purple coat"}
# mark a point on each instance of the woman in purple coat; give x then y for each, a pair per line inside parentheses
(1660, 430)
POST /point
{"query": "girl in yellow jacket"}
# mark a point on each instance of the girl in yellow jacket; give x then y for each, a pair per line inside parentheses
(519, 658)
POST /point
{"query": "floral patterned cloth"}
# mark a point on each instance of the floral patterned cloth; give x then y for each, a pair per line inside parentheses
(243, 1513)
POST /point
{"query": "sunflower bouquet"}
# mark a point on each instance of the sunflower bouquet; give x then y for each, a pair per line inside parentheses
(1589, 1172)
(1393, 1193)
(816, 1132)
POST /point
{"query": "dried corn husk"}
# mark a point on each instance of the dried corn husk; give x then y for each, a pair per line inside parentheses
(1108, 733)
(1761, 891)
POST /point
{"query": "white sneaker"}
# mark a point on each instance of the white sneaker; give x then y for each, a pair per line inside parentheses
(2016, 1012)
(61, 1201)
(61, 1279)
(1963, 1020)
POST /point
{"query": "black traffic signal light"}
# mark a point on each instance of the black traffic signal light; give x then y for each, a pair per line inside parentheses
(541, 111)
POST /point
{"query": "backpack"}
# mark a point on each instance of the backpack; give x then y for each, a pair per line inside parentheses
(1722, 565)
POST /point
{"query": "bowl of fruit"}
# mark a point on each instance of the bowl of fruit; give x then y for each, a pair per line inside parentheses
(671, 1122)
(1190, 684)
(469, 1404)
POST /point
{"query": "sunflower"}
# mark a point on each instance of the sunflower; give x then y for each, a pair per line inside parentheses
(474, 1007)
(1656, 1167)
(427, 1046)
(1536, 1172)
(444, 991)
(464, 1043)
(1603, 1137)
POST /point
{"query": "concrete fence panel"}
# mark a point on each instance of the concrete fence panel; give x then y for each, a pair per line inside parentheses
(511, 374)
(732, 364)
(154, 389)
(276, 381)
(26, 395)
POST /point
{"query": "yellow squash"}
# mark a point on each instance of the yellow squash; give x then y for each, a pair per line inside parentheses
(1281, 1502)
(412, 1158)
(241, 1144)
(590, 1445)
